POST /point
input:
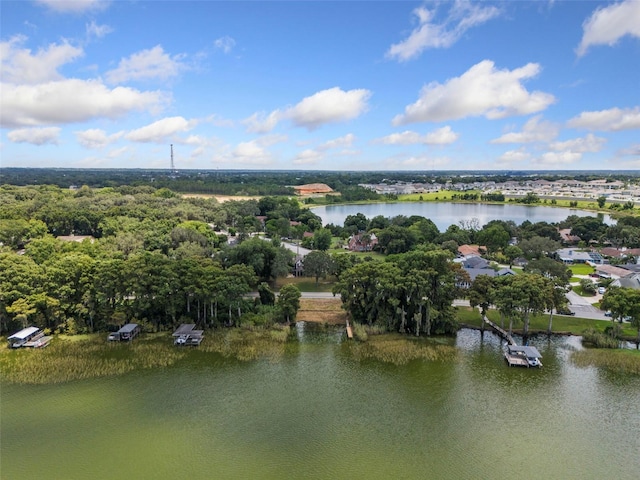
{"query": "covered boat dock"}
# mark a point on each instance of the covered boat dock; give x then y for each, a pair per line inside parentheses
(186, 335)
(523, 356)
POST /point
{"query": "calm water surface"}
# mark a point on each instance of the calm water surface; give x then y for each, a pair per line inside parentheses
(446, 214)
(318, 414)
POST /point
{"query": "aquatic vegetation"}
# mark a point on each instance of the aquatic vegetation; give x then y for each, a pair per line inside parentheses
(622, 361)
(248, 344)
(400, 349)
(64, 361)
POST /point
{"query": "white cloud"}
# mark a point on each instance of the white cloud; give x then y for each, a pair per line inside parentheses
(160, 131)
(633, 150)
(225, 43)
(261, 123)
(481, 90)
(250, 153)
(329, 106)
(558, 158)
(19, 65)
(532, 131)
(307, 157)
(146, 64)
(96, 138)
(428, 34)
(441, 136)
(326, 106)
(341, 142)
(35, 136)
(515, 156)
(588, 144)
(608, 24)
(611, 120)
(70, 101)
(74, 6)
(97, 31)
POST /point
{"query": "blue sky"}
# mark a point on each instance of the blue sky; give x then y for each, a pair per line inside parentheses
(328, 85)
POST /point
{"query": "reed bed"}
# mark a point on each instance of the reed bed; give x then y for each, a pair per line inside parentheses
(65, 361)
(400, 350)
(620, 361)
(247, 344)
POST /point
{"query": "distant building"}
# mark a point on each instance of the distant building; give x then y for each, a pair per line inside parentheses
(362, 242)
(569, 256)
(312, 188)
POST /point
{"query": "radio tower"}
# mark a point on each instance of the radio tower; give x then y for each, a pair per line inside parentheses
(173, 167)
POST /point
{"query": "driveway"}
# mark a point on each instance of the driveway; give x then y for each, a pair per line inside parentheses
(582, 307)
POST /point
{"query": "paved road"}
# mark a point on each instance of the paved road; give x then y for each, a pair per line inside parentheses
(295, 248)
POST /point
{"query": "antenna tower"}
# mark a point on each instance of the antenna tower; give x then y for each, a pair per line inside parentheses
(173, 167)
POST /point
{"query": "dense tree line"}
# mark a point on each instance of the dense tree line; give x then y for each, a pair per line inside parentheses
(152, 257)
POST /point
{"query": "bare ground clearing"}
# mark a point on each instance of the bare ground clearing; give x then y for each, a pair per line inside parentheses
(321, 310)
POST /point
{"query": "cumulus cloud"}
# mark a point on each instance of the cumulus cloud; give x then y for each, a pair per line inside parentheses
(611, 120)
(329, 106)
(251, 153)
(71, 101)
(160, 131)
(262, 123)
(421, 162)
(482, 90)
(461, 16)
(225, 43)
(145, 65)
(532, 131)
(588, 144)
(441, 136)
(326, 106)
(551, 159)
(35, 136)
(34, 93)
(20, 65)
(341, 142)
(309, 156)
(608, 24)
(515, 156)
(95, 138)
(74, 6)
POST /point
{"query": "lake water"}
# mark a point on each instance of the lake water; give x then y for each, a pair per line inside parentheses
(319, 414)
(446, 214)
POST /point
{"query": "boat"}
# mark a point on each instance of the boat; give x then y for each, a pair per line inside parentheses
(523, 356)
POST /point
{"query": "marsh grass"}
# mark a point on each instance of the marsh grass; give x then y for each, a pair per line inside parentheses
(90, 357)
(248, 344)
(400, 349)
(621, 361)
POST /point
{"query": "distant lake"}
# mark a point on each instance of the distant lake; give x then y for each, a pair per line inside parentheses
(445, 214)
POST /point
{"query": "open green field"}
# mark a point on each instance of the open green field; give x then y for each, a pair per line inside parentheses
(442, 196)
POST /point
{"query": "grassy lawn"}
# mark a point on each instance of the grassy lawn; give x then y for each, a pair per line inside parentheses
(578, 289)
(307, 284)
(444, 195)
(561, 323)
(581, 269)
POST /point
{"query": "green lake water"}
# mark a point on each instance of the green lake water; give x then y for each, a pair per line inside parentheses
(319, 414)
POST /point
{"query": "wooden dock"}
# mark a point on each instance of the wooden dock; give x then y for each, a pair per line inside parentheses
(349, 330)
(500, 331)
